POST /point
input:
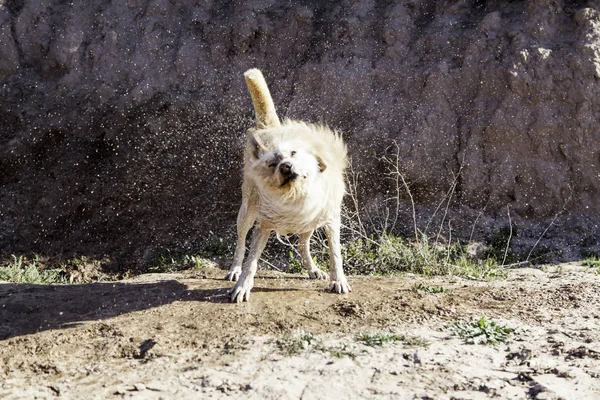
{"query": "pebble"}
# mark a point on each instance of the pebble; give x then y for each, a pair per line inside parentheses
(140, 387)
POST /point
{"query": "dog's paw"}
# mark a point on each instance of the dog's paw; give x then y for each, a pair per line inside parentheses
(340, 286)
(233, 274)
(241, 290)
(317, 274)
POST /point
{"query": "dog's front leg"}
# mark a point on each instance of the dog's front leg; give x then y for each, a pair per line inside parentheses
(304, 249)
(241, 290)
(339, 284)
(245, 220)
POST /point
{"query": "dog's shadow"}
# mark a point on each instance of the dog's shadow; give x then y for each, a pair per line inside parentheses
(29, 308)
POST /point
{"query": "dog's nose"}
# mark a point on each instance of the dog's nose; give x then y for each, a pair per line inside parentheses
(285, 169)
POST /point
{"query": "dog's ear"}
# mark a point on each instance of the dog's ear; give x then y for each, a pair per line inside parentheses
(321, 163)
(256, 144)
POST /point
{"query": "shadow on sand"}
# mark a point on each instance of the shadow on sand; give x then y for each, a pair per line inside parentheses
(28, 308)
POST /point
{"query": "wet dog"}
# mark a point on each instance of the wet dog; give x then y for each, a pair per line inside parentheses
(293, 184)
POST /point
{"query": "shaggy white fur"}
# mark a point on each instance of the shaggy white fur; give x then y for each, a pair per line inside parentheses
(293, 183)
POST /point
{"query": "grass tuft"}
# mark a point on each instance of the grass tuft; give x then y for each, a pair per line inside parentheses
(26, 270)
(297, 343)
(378, 339)
(166, 260)
(341, 351)
(592, 262)
(388, 254)
(486, 269)
(482, 331)
(301, 341)
(421, 287)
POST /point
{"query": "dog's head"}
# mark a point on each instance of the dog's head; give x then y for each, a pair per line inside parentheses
(286, 165)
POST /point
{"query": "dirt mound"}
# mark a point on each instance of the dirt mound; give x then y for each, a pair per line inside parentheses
(175, 336)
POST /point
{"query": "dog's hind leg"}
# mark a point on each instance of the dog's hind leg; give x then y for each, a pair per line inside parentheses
(245, 220)
(241, 290)
(339, 284)
(304, 249)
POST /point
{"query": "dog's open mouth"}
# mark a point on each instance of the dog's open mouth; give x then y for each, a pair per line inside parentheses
(291, 177)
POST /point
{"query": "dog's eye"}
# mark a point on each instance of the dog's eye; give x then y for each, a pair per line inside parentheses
(272, 165)
(292, 154)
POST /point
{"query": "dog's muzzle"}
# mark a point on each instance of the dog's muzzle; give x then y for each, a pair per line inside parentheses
(285, 169)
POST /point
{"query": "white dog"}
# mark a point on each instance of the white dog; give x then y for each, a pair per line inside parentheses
(293, 183)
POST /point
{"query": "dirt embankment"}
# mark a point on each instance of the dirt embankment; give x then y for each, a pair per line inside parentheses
(122, 121)
(176, 336)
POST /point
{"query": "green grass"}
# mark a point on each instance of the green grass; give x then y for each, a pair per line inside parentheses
(295, 264)
(487, 269)
(554, 269)
(383, 254)
(500, 239)
(421, 287)
(297, 343)
(301, 342)
(29, 270)
(378, 339)
(216, 246)
(592, 262)
(380, 255)
(166, 260)
(392, 255)
(482, 331)
(197, 262)
(173, 259)
(341, 351)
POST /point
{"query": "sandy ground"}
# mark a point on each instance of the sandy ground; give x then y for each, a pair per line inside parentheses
(175, 336)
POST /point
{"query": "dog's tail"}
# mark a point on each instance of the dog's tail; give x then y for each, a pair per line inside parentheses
(264, 108)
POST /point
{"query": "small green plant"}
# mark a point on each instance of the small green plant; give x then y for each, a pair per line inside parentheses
(301, 341)
(298, 342)
(295, 265)
(482, 331)
(29, 270)
(196, 261)
(421, 287)
(487, 269)
(500, 245)
(377, 339)
(215, 246)
(320, 258)
(592, 261)
(173, 259)
(166, 260)
(341, 351)
(557, 269)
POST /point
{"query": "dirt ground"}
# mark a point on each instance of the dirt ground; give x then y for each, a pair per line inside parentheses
(175, 336)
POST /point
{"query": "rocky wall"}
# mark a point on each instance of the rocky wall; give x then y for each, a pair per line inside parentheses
(122, 122)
